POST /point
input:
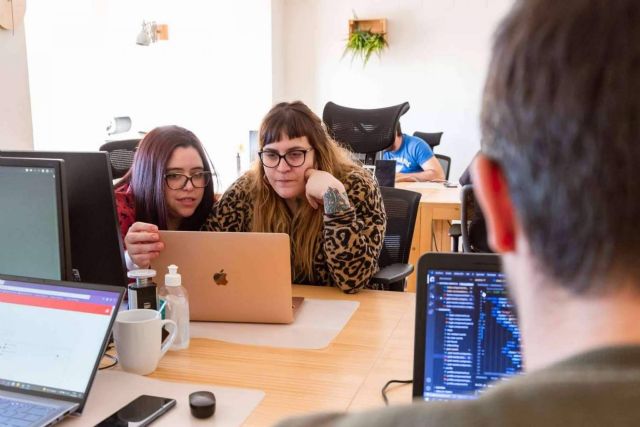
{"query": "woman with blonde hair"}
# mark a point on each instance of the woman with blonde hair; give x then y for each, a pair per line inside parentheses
(307, 186)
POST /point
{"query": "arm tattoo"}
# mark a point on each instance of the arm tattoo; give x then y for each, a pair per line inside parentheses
(335, 202)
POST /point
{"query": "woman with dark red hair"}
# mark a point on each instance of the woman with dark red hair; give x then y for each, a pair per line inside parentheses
(169, 187)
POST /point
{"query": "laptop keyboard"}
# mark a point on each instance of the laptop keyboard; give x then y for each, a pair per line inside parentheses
(18, 413)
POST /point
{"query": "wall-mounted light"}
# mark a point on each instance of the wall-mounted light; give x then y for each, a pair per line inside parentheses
(152, 32)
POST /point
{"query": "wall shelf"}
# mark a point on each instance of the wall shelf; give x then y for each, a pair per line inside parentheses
(378, 26)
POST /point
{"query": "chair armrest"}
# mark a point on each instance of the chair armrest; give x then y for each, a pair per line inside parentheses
(392, 273)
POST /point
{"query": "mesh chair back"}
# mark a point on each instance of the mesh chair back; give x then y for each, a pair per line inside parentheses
(120, 155)
(361, 130)
(445, 162)
(432, 138)
(401, 207)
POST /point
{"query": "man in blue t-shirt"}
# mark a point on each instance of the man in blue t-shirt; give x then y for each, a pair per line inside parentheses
(414, 159)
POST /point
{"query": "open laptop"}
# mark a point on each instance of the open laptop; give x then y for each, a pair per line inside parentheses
(231, 277)
(466, 335)
(386, 173)
(52, 337)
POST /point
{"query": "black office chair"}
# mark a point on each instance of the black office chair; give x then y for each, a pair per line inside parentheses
(472, 224)
(445, 162)
(432, 138)
(120, 155)
(401, 207)
(469, 212)
(365, 131)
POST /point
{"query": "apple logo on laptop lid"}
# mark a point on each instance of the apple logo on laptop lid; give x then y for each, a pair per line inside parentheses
(220, 278)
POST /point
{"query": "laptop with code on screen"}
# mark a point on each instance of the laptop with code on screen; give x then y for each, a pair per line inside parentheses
(466, 333)
(52, 337)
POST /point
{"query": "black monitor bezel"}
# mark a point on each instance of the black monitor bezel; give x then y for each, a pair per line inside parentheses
(441, 261)
(76, 160)
(105, 341)
(61, 199)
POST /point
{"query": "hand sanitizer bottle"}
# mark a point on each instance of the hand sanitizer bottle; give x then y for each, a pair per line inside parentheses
(177, 307)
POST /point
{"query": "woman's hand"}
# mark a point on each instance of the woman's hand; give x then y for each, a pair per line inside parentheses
(143, 243)
(322, 188)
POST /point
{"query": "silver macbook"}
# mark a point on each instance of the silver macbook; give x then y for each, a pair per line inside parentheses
(232, 277)
(52, 337)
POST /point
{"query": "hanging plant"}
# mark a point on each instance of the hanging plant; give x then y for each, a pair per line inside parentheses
(364, 43)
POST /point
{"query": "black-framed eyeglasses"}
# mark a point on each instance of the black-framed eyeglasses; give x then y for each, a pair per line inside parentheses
(294, 158)
(177, 181)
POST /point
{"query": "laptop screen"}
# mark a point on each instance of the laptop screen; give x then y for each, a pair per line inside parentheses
(52, 335)
(471, 337)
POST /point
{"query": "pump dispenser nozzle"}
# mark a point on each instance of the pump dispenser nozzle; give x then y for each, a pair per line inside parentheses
(172, 278)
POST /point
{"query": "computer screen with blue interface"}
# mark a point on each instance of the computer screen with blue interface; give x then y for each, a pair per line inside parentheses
(472, 338)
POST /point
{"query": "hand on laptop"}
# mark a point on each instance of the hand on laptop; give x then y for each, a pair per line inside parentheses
(143, 243)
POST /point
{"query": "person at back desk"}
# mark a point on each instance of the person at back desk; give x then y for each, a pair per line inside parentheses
(557, 181)
(414, 159)
(169, 187)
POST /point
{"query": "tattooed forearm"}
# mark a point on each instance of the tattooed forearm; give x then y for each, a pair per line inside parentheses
(334, 201)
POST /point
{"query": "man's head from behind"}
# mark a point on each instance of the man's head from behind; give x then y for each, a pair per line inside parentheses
(561, 137)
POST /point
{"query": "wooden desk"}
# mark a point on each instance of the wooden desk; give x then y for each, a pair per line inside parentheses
(375, 346)
(438, 205)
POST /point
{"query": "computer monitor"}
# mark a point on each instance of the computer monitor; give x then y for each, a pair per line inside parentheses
(34, 226)
(96, 243)
(466, 333)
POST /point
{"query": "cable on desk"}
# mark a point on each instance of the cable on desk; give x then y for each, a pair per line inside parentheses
(384, 389)
(114, 359)
(433, 238)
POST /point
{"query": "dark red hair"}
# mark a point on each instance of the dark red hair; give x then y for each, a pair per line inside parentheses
(146, 176)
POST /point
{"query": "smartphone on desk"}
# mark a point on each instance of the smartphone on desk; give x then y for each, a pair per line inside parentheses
(140, 412)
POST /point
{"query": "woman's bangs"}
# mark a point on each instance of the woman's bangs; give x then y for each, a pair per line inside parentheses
(281, 126)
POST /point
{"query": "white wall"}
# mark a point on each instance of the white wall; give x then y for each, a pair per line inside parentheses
(278, 43)
(227, 62)
(15, 107)
(437, 60)
(213, 76)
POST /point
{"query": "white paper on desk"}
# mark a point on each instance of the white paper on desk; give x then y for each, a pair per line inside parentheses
(316, 324)
(112, 389)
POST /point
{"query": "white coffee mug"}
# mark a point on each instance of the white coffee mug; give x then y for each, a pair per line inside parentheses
(137, 334)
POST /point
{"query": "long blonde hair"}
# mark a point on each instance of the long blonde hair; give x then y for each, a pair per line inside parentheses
(295, 120)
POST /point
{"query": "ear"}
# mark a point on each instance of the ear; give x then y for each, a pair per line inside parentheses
(490, 188)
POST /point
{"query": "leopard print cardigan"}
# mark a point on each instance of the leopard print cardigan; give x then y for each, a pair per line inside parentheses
(350, 242)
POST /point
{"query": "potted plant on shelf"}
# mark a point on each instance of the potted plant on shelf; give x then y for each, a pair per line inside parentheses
(364, 43)
(366, 37)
